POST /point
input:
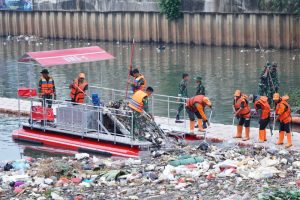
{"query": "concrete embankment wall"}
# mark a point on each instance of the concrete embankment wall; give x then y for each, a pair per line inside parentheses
(219, 29)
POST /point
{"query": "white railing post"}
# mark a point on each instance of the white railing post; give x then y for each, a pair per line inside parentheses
(168, 110)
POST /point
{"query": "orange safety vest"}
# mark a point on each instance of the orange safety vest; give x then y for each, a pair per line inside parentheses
(245, 112)
(143, 86)
(196, 99)
(265, 107)
(77, 92)
(47, 87)
(284, 117)
(136, 101)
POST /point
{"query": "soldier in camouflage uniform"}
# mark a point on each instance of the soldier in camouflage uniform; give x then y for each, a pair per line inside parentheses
(269, 83)
(200, 89)
(182, 93)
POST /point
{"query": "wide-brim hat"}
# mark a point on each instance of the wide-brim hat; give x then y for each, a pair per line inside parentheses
(45, 71)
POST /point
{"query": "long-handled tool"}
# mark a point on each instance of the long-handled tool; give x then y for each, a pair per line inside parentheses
(204, 145)
(130, 67)
(274, 123)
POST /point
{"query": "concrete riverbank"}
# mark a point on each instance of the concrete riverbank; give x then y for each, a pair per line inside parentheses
(211, 29)
(217, 133)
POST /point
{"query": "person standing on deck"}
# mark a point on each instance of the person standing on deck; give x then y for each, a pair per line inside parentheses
(139, 82)
(46, 89)
(196, 106)
(263, 107)
(183, 93)
(139, 103)
(78, 89)
(283, 114)
(241, 110)
(200, 89)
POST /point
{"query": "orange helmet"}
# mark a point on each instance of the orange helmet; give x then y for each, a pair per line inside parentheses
(237, 93)
(207, 101)
(276, 97)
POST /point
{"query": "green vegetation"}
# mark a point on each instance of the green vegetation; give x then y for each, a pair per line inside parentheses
(171, 8)
(284, 6)
(294, 98)
(282, 194)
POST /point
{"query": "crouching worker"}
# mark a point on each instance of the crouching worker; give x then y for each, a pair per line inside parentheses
(78, 89)
(283, 111)
(139, 103)
(241, 110)
(262, 106)
(196, 106)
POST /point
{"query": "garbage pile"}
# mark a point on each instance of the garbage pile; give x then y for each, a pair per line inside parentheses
(183, 173)
(145, 127)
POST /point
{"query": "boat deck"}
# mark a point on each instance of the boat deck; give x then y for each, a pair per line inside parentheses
(93, 135)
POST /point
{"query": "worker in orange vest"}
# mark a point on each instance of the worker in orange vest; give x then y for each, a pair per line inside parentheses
(140, 100)
(241, 110)
(139, 103)
(46, 89)
(283, 114)
(261, 105)
(78, 89)
(139, 82)
(196, 106)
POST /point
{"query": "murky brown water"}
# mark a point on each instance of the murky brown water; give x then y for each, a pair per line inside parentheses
(223, 69)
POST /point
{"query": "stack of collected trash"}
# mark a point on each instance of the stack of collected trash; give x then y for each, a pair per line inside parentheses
(183, 173)
(145, 127)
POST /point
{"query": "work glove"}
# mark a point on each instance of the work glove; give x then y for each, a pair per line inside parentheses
(204, 125)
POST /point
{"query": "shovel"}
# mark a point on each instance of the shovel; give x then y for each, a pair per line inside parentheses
(204, 145)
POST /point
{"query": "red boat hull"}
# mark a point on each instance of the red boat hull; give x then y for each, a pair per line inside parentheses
(74, 143)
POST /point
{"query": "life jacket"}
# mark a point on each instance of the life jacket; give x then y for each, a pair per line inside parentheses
(136, 101)
(245, 112)
(142, 86)
(196, 99)
(77, 92)
(47, 87)
(265, 107)
(284, 117)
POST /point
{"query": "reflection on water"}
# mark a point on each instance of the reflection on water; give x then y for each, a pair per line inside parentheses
(223, 69)
(10, 150)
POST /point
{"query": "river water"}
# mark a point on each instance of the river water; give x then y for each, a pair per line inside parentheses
(223, 70)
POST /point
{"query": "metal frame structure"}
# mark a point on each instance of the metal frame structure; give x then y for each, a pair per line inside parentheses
(157, 102)
(119, 133)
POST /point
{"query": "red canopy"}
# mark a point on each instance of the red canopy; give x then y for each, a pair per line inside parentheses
(67, 56)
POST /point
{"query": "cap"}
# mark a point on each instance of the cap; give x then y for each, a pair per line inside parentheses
(198, 78)
(45, 71)
(135, 71)
(81, 75)
(237, 93)
(276, 97)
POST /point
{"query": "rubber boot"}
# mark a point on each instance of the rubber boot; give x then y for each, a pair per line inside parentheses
(280, 138)
(200, 125)
(265, 135)
(192, 127)
(261, 137)
(247, 131)
(239, 130)
(289, 140)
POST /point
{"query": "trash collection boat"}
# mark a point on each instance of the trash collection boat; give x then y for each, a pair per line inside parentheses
(93, 128)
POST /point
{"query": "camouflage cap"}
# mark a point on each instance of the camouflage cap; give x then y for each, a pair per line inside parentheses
(198, 78)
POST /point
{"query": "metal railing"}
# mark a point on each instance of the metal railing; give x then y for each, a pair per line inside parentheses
(162, 106)
(81, 119)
